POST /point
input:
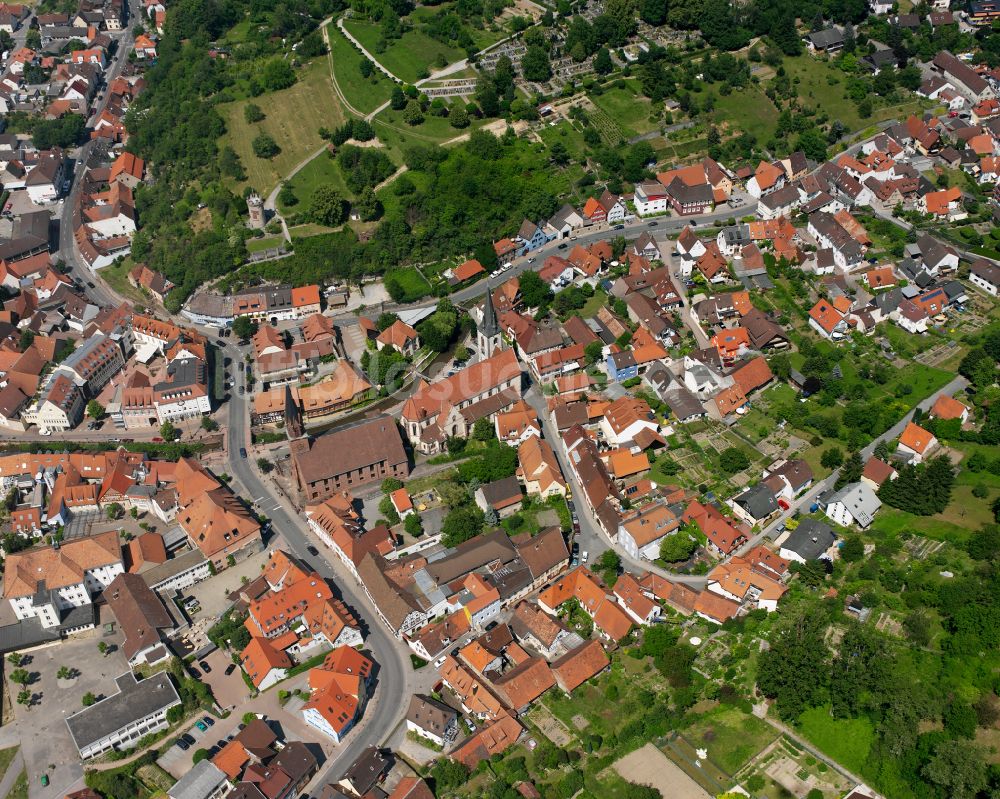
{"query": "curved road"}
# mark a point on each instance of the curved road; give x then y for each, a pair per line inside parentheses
(394, 670)
(68, 251)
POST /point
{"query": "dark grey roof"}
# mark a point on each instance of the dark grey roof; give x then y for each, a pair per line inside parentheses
(368, 770)
(133, 701)
(430, 715)
(199, 782)
(810, 539)
(501, 490)
(827, 38)
(758, 501)
(489, 326)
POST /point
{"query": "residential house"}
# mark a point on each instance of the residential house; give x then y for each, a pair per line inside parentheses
(811, 540)
(855, 503)
(640, 532)
(985, 276)
(915, 443)
(756, 506)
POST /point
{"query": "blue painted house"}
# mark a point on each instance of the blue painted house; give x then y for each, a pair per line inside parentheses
(622, 366)
(532, 236)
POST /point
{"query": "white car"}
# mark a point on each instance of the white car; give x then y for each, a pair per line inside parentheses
(440, 661)
(584, 556)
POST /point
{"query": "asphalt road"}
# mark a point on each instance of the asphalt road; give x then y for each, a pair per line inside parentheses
(821, 487)
(591, 538)
(100, 293)
(390, 701)
(660, 227)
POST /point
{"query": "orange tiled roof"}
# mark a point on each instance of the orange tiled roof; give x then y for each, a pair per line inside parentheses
(916, 438)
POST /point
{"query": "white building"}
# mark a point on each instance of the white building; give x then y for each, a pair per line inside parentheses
(42, 583)
(118, 721)
(985, 276)
(853, 504)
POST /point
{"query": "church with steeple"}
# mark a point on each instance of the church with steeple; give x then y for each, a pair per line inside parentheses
(488, 338)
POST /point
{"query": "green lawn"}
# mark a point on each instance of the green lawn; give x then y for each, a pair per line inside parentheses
(364, 94)
(116, 276)
(815, 91)
(321, 171)
(748, 110)
(731, 736)
(293, 118)
(265, 243)
(565, 132)
(409, 58)
(628, 107)
(847, 741)
(413, 283)
(20, 788)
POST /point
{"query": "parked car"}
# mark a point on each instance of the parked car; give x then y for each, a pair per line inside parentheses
(618, 227)
(182, 744)
(312, 550)
(201, 726)
(188, 739)
(585, 557)
(205, 667)
(654, 223)
(243, 450)
(209, 721)
(563, 246)
(230, 669)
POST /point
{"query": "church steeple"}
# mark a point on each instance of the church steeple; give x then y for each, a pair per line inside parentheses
(488, 338)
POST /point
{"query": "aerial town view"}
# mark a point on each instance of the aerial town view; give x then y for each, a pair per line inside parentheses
(500, 399)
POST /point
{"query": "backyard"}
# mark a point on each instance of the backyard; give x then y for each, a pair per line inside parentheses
(322, 170)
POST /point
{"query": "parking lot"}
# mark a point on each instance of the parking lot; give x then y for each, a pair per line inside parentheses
(46, 744)
(229, 690)
(178, 761)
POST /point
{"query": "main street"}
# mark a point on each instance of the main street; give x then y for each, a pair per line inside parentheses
(96, 289)
(387, 708)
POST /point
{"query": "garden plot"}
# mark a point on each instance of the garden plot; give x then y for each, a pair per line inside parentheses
(551, 727)
(650, 766)
(788, 771)
(920, 548)
(888, 624)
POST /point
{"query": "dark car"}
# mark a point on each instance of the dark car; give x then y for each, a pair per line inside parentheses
(652, 224)
(618, 227)
(90, 284)
(205, 667)
(563, 246)
(241, 391)
(230, 669)
(195, 673)
(243, 452)
(312, 550)
(208, 720)
(188, 739)
(491, 625)
(182, 744)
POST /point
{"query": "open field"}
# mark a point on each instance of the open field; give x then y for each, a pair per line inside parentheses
(293, 118)
(6, 757)
(731, 736)
(364, 94)
(321, 171)
(747, 110)
(845, 740)
(408, 58)
(816, 91)
(628, 107)
(265, 243)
